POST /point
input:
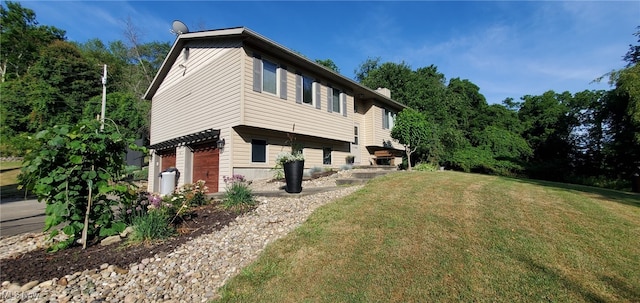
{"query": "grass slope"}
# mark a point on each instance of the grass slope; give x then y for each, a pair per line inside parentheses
(446, 236)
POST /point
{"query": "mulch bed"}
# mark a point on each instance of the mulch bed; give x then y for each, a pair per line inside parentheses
(43, 266)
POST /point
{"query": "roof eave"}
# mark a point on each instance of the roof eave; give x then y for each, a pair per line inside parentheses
(253, 37)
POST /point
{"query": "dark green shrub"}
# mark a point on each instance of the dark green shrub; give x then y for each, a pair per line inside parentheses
(74, 168)
(153, 225)
(238, 196)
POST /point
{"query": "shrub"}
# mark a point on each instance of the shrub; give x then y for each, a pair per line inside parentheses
(238, 195)
(346, 167)
(134, 207)
(151, 226)
(194, 194)
(423, 166)
(315, 169)
(74, 169)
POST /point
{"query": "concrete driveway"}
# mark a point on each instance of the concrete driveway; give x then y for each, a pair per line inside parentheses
(19, 216)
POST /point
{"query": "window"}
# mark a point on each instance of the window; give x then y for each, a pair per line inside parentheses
(307, 90)
(259, 151)
(269, 72)
(388, 118)
(355, 135)
(326, 155)
(336, 101)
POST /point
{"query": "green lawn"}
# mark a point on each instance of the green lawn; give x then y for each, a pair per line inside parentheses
(451, 237)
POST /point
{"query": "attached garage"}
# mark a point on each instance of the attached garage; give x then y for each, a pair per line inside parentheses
(206, 166)
(196, 157)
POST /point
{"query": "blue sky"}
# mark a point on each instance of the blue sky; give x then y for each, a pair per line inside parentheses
(507, 48)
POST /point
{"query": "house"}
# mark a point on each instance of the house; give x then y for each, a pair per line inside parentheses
(224, 101)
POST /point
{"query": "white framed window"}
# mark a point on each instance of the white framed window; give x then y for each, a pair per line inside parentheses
(307, 90)
(269, 77)
(355, 135)
(336, 97)
(388, 118)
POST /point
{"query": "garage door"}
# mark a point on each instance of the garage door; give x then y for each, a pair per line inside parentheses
(206, 166)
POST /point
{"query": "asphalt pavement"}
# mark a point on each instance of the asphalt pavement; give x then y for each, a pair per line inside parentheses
(19, 216)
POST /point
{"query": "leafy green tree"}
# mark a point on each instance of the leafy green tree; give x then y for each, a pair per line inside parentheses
(632, 57)
(76, 170)
(21, 39)
(365, 68)
(413, 130)
(61, 81)
(328, 63)
(124, 110)
(622, 108)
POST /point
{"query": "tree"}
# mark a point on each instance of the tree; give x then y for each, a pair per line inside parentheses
(124, 110)
(365, 68)
(413, 130)
(633, 55)
(21, 39)
(76, 170)
(328, 63)
(60, 82)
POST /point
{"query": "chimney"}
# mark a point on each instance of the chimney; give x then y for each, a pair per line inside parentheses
(384, 91)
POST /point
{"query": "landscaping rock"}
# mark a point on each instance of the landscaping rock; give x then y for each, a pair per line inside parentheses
(29, 285)
(126, 232)
(110, 240)
(193, 271)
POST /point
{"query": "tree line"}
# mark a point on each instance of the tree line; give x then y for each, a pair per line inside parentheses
(47, 80)
(590, 137)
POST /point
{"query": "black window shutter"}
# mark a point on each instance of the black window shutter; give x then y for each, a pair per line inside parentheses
(257, 74)
(298, 88)
(329, 99)
(283, 82)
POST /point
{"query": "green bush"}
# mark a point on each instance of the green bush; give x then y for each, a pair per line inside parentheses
(195, 194)
(75, 168)
(424, 166)
(238, 196)
(152, 226)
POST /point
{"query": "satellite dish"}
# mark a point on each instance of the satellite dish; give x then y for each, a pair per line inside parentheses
(179, 28)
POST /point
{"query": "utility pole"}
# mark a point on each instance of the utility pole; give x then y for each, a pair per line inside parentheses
(104, 97)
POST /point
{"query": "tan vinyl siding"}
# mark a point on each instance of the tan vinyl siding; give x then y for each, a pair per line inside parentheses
(379, 134)
(277, 143)
(205, 94)
(266, 110)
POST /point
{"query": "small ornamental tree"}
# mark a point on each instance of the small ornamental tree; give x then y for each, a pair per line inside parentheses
(76, 170)
(413, 130)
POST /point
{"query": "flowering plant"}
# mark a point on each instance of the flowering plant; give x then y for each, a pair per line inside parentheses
(285, 157)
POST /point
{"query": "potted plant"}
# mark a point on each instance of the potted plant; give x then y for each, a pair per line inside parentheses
(293, 164)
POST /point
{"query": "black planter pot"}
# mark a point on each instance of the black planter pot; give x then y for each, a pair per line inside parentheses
(293, 172)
